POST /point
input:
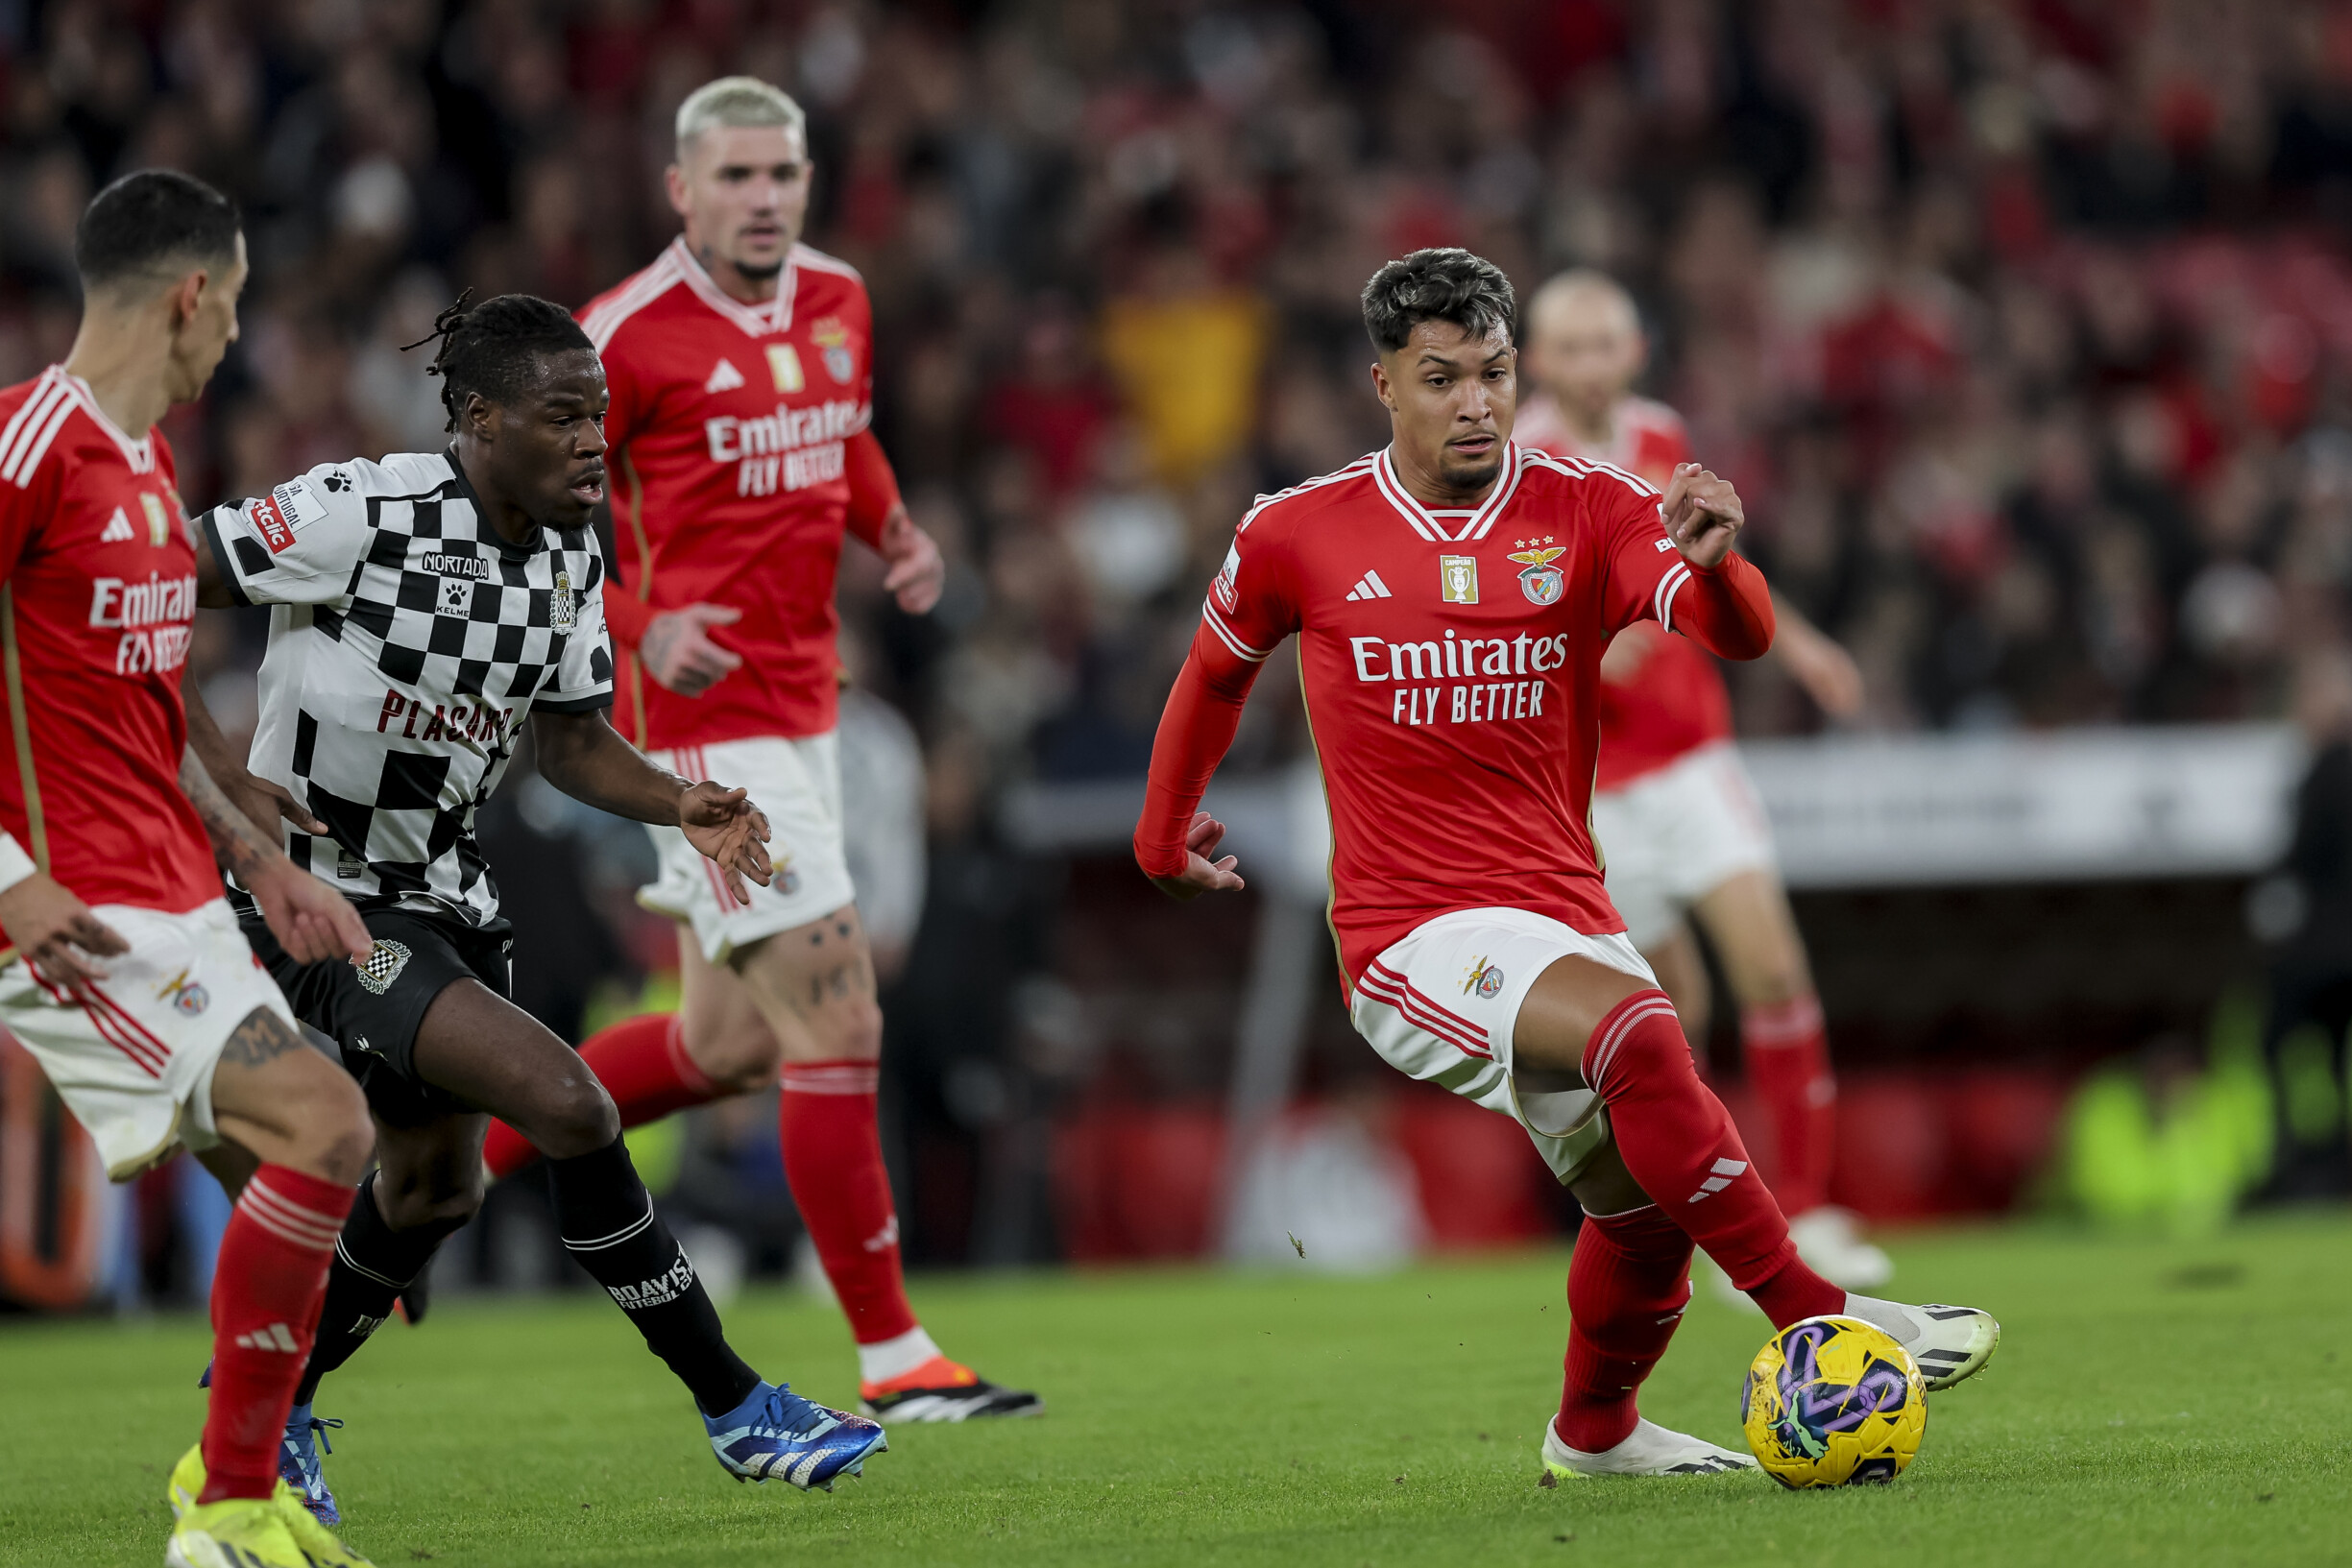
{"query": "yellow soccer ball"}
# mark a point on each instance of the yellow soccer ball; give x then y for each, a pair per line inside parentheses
(1834, 1402)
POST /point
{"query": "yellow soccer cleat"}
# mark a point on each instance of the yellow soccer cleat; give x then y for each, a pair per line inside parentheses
(319, 1546)
(235, 1533)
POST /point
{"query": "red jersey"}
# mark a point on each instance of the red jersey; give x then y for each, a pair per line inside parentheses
(1670, 700)
(1451, 668)
(100, 600)
(735, 432)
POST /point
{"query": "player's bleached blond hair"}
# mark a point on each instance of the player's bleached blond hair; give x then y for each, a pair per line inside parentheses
(736, 101)
(1580, 283)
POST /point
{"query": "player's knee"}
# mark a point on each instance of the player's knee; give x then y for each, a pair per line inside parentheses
(856, 1028)
(331, 1135)
(576, 1118)
(441, 1206)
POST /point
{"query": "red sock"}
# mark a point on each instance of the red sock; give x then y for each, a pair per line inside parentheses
(1678, 1142)
(643, 1064)
(266, 1291)
(1628, 1284)
(832, 1159)
(1787, 1058)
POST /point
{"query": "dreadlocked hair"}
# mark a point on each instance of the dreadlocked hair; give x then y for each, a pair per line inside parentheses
(493, 347)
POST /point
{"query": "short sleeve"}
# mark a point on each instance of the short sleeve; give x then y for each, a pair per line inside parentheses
(1251, 606)
(298, 545)
(1643, 569)
(582, 680)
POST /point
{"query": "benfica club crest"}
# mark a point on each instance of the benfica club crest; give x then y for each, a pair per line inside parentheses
(1538, 579)
(833, 338)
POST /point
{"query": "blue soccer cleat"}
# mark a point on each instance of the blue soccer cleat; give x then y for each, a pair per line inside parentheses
(775, 1432)
(299, 1467)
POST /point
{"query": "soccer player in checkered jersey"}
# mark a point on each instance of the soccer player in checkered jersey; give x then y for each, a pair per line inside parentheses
(425, 610)
(1452, 594)
(1680, 825)
(742, 366)
(126, 975)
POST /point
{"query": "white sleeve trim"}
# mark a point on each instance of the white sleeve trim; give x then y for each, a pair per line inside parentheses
(1216, 623)
(15, 865)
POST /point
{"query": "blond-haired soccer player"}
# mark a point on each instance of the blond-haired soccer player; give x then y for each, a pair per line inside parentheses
(1682, 830)
(742, 380)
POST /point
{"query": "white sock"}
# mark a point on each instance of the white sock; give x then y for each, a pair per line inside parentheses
(895, 1357)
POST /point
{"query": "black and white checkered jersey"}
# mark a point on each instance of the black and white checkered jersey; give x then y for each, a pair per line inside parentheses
(408, 643)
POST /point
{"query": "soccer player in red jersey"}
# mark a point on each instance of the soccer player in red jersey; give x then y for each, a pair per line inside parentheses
(1452, 594)
(126, 975)
(1679, 823)
(741, 372)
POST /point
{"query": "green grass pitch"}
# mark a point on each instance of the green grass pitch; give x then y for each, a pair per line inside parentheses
(2152, 1402)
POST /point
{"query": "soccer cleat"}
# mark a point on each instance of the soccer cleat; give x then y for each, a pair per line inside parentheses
(317, 1543)
(299, 1466)
(1949, 1344)
(1832, 1245)
(235, 1533)
(1651, 1451)
(944, 1391)
(775, 1432)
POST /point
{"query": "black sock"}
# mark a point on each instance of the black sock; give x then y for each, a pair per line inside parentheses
(608, 1225)
(373, 1264)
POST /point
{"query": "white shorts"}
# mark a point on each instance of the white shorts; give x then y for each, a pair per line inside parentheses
(1671, 837)
(798, 785)
(1441, 1006)
(135, 1066)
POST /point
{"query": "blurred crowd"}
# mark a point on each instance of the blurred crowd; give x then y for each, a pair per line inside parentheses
(2022, 324)
(2024, 328)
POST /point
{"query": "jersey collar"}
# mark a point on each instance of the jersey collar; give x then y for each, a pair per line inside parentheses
(1446, 530)
(762, 319)
(140, 454)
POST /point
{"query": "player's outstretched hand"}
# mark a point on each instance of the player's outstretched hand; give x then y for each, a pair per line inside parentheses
(264, 803)
(310, 920)
(1201, 874)
(1702, 513)
(918, 571)
(729, 830)
(58, 933)
(678, 653)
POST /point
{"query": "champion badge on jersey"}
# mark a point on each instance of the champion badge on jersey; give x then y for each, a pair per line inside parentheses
(564, 612)
(833, 338)
(1458, 579)
(1538, 579)
(784, 364)
(158, 526)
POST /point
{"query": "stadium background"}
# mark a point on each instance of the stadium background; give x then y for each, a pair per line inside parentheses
(2023, 326)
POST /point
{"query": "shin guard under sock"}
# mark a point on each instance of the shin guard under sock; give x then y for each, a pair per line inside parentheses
(608, 1225)
(1628, 1284)
(1679, 1144)
(265, 1304)
(832, 1159)
(373, 1264)
(1787, 1058)
(643, 1064)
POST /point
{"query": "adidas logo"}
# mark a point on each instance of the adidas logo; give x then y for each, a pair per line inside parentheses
(1725, 1170)
(725, 377)
(117, 530)
(885, 1238)
(1370, 587)
(272, 1338)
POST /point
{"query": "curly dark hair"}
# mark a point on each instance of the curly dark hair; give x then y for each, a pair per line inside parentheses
(1438, 285)
(492, 347)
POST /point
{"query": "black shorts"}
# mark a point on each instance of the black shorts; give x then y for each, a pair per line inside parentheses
(373, 1014)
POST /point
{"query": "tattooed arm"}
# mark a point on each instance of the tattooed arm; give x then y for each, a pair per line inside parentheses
(310, 920)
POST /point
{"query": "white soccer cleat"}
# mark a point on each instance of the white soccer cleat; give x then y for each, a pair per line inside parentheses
(1832, 1245)
(1949, 1344)
(1651, 1451)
